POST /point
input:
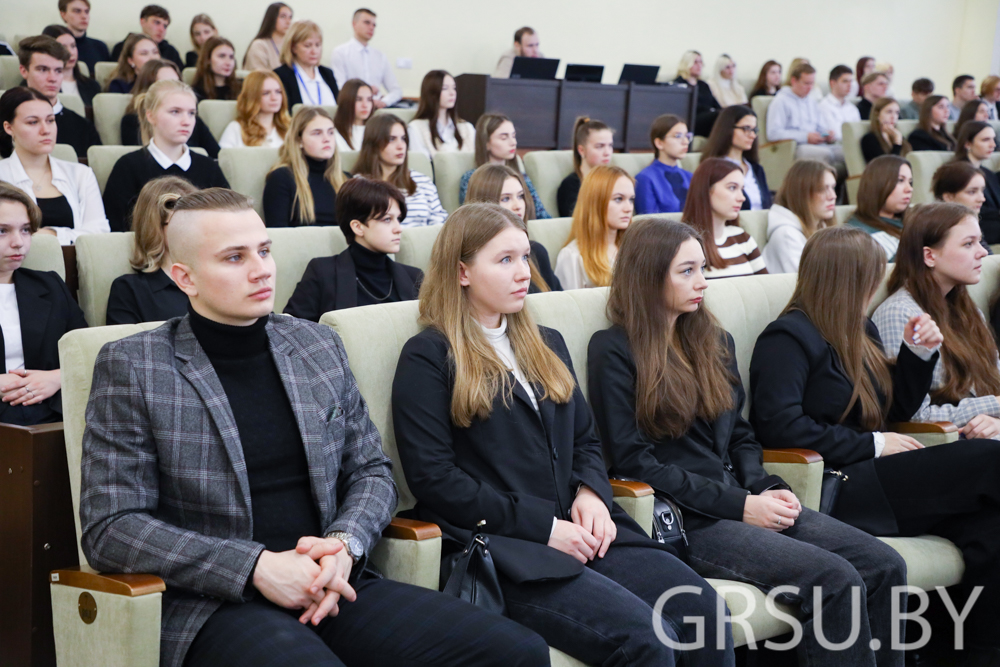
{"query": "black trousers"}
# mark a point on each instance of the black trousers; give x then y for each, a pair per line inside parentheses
(390, 624)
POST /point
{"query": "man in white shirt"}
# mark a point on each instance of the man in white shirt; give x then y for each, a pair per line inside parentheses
(963, 90)
(834, 109)
(357, 60)
(795, 115)
(526, 45)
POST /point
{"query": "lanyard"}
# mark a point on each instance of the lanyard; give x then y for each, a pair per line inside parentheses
(305, 88)
(275, 47)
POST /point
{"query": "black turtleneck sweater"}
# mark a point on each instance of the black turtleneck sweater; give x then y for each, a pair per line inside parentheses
(374, 276)
(280, 494)
(280, 209)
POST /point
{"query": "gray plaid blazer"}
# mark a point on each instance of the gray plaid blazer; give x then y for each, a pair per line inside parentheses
(165, 489)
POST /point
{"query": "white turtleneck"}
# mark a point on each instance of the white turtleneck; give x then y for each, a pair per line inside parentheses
(501, 345)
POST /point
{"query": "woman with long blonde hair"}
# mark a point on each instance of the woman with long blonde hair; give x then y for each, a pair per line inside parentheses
(689, 71)
(305, 80)
(603, 212)
(261, 113)
(149, 294)
(494, 436)
(724, 85)
(301, 188)
(806, 203)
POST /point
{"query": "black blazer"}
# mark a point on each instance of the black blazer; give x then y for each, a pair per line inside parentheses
(517, 469)
(766, 200)
(88, 88)
(46, 310)
(330, 283)
(541, 256)
(710, 469)
(871, 147)
(287, 76)
(799, 391)
(145, 297)
(989, 214)
(921, 140)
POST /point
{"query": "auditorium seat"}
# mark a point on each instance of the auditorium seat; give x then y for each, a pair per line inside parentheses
(109, 108)
(217, 114)
(102, 160)
(74, 103)
(547, 170)
(293, 249)
(246, 169)
(10, 74)
(187, 75)
(775, 156)
(448, 171)
(330, 108)
(84, 68)
(405, 115)
(103, 72)
(925, 163)
(64, 152)
(46, 254)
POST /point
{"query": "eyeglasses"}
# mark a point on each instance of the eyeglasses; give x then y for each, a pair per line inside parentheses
(747, 129)
(689, 136)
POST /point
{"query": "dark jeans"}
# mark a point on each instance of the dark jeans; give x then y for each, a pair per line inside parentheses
(605, 615)
(817, 551)
(389, 624)
(953, 491)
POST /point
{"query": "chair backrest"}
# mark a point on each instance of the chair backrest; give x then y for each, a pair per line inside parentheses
(102, 160)
(633, 163)
(905, 126)
(852, 133)
(246, 169)
(691, 161)
(924, 164)
(417, 161)
(330, 108)
(217, 114)
(754, 223)
(100, 258)
(109, 108)
(187, 75)
(844, 213)
(64, 152)
(759, 105)
(547, 170)
(551, 233)
(45, 255)
(405, 115)
(103, 72)
(416, 245)
(448, 171)
(84, 68)
(74, 103)
(10, 72)
(293, 248)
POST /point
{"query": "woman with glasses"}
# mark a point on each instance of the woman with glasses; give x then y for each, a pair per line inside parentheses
(734, 138)
(662, 186)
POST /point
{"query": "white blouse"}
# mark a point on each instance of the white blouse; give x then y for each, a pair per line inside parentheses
(232, 137)
(357, 136)
(569, 268)
(314, 92)
(10, 323)
(422, 142)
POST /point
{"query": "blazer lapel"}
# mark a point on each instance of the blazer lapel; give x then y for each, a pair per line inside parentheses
(33, 311)
(404, 284)
(347, 278)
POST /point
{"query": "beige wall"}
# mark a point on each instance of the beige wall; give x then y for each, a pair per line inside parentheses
(935, 38)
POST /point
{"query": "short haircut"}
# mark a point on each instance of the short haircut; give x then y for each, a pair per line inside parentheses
(960, 81)
(923, 86)
(872, 78)
(364, 199)
(362, 10)
(801, 70)
(43, 44)
(952, 177)
(12, 193)
(839, 71)
(213, 199)
(64, 4)
(521, 32)
(154, 10)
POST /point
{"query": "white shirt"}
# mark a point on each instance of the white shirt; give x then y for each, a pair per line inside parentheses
(10, 322)
(750, 186)
(357, 136)
(421, 141)
(313, 91)
(161, 158)
(569, 268)
(834, 113)
(355, 60)
(69, 88)
(232, 137)
(501, 345)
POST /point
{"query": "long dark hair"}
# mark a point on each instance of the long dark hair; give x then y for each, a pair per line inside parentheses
(924, 122)
(55, 32)
(721, 137)
(762, 77)
(343, 119)
(967, 114)
(9, 103)
(698, 206)
(270, 21)
(966, 136)
(204, 77)
(430, 104)
(877, 183)
(378, 130)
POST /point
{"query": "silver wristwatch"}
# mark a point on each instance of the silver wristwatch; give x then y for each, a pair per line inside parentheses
(353, 545)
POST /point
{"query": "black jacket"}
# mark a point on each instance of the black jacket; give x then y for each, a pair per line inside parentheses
(799, 391)
(88, 87)
(710, 469)
(541, 257)
(567, 194)
(46, 310)
(145, 297)
(91, 51)
(77, 131)
(330, 283)
(989, 214)
(871, 147)
(167, 51)
(921, 140)
(517, 469)
(201, 136)
(865, 109)
(287, 76)
(766, 200)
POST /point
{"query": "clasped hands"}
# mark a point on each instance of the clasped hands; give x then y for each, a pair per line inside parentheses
(313, 577)
(23, 387)
(591, 531)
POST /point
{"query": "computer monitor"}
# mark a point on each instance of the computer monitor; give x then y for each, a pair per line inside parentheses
(641, 74)
(534, 68)
(591, 73)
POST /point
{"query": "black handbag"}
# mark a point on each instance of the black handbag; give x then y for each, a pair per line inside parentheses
(832, 481)
(668, 524)
(474, 577)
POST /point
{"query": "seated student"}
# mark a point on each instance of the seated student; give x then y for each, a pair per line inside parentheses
(602, 214)
(354, 108)
(883, 137)
(815, 94)
(836, 109)
(42, 61)
(961, 183)
(506, 186)
(932, 131)
(202, 28)
(889, 71)
(806, 203)
(149, 294)
(768, 81)
(963, 91)
(436, 127)
(662, 186)
(734, 138)
(138, 51)
(795, 115)
(919, 91)
(667, 400)
(153, 71)
(74, 82)
(154, 21)
(305, 80)
(36, 309)
(370, 215)
(76, 15)
(873, 88)
(526, 45)
(975, 110)
(724, 85)
(316, 488)
(593, 145)
(384, 157)
(976, 144)
(66, 193)
(261, 113)
(215, 78)
(864, 67)
(496, 144)
(167, 114)
(357, 59)
(884, 195)
(939, 256)
(301, 188)
(989, 90)
(689, 73)
(264, 51)
(713, 208)
(490, 425)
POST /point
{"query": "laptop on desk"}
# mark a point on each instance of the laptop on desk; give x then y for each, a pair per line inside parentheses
(590, 73)
(640, 74)
(534, 68)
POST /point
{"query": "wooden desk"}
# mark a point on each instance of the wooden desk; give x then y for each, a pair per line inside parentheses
(645, 103)
(531, 105)
(593, 100)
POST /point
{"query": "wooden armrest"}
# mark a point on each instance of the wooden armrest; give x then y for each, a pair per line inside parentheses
(408, 529)
(55, 427)
(791, 456)
(129, 585)
(923, 427)
(628, 489)
(854, 177)
(774, 143)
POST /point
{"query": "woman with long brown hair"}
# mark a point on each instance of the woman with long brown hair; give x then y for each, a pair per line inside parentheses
(490, 425)
(602, 214)
(975, 145)
(436, 125)
(806, 203)
(932, 131)
(264, 52)
(768, 81)
(734, 137)
(884, 194)
(883, 137)
(593, 145)
(215, 73)
(354, 108)
(261, 114)
(136, 52)
(667, 398)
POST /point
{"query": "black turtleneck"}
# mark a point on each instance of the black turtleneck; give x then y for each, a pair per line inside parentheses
(374, 275)
(283, 509)
(280, 209)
